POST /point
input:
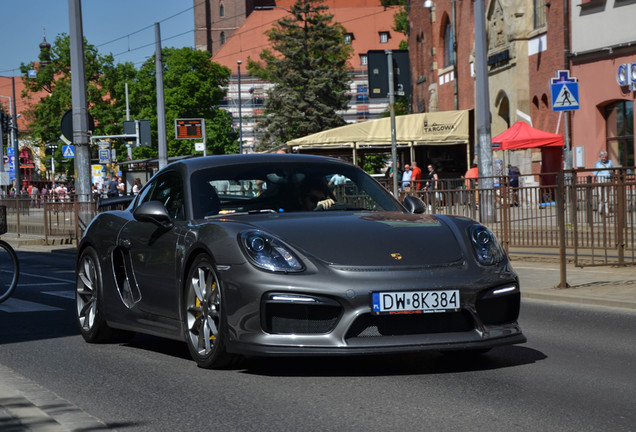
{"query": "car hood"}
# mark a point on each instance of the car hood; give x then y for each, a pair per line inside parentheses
(368, 239)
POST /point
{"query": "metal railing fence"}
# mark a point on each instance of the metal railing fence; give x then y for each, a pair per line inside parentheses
(592, 216)
(579, 212)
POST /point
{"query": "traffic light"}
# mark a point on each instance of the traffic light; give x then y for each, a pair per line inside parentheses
(5, 121)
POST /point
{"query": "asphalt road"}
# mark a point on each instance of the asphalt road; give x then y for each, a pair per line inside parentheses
(576, 373)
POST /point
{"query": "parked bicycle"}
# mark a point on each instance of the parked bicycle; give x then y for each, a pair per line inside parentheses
(9, 270)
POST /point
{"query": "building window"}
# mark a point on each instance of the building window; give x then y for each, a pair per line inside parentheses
(362, 112)
(384, 37)
(362, 93)
(620, 132)
(221, 10)
(539, 13)
(348, 38)
(364, 60)
(449, 55)
(222, 38)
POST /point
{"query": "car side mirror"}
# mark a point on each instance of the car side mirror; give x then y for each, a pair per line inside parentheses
(414, 204)
(154, 212)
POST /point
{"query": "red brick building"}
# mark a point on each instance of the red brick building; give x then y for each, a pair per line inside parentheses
(526, 43)
(369, 26)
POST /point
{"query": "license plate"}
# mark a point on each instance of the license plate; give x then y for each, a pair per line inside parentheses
(415, 301)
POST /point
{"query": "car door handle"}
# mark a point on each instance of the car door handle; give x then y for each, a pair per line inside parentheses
(124, 243)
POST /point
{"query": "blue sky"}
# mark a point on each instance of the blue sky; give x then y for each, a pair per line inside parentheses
(24, 23)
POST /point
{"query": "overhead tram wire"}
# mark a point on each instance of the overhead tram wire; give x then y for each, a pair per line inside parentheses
(151, 26)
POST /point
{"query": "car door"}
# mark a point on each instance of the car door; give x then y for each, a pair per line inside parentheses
(153, 250)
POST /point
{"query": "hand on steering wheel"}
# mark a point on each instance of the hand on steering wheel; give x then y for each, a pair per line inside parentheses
(325, 204)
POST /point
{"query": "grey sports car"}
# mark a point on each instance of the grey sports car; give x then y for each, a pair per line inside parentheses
(290, 255)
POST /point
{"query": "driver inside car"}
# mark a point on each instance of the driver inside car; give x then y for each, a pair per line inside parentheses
(315, 195)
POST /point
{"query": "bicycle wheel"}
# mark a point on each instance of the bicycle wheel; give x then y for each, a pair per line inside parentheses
(9, 270)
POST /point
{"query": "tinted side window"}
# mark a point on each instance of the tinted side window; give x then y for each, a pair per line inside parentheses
(168, 190)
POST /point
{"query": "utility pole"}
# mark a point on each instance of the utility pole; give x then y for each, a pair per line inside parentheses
(14, 139)
(482, 114)
(161, 108)
(129, 145)
(238, 62)
(81, 140)
(389, 61)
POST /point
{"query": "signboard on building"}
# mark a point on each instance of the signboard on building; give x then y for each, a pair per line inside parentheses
(626, 76)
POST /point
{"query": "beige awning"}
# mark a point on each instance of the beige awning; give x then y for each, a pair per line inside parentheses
(436, 128)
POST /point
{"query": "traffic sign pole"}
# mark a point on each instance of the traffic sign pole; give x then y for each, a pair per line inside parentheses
(565, 97)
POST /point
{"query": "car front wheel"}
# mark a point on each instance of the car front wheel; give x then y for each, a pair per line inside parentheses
(88, 301)
(204, 315)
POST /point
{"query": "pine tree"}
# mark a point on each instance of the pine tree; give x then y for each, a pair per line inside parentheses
(310, 72)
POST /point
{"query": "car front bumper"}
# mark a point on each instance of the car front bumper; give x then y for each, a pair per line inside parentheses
(339, 319)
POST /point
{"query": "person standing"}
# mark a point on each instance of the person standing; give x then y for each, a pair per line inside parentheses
(513, 178)
(121, 187)
(416, 176)
(136, 186)
(112, 187)
(471, 178)
(406, 176)
(432, 178)
(432, 184)
(603, 173)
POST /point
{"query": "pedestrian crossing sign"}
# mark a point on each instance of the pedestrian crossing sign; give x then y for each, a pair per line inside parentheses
(565, 92)
(68, 151)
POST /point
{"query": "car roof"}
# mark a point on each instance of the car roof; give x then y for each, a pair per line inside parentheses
(195, 164)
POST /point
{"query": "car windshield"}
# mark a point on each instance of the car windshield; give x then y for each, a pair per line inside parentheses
(286, 187)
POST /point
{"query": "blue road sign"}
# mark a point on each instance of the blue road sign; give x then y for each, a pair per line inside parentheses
(68, 151)
(11, 155)
(565, 92)
(104, 156)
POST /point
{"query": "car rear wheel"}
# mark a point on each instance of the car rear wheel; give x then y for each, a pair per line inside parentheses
(88, 301)
(205, 316)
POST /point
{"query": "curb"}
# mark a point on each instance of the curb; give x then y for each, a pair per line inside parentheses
(25, 405)
(578, 300)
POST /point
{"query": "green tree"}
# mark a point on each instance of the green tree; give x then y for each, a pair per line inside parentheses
(400, 19)
(193, 88)
(308, 66)
(50, 93)
(104, 83)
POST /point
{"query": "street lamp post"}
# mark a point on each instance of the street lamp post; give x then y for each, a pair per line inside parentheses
(238, 62)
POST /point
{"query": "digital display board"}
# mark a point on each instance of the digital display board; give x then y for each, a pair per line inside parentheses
(188, 128)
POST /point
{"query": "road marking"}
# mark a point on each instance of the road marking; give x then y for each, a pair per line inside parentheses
(48, 277)
(17, 305)
(63, 294)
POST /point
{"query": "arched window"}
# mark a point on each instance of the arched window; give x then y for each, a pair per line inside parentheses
(222, 38)
(619, 123)
(221, 10)
(449, 55)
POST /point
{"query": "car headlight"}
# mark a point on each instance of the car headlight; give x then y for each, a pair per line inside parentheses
(486, 246)
(269, 253)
